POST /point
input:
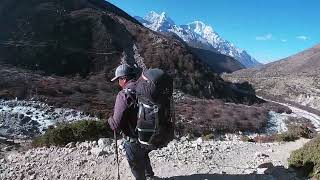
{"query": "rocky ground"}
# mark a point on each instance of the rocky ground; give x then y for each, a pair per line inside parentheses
(25, 119)
(223, 157)
(183, 159)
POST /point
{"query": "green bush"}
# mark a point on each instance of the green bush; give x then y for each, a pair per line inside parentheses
(301, 130)
(286, 136)
(70, 132)
(246, 139)
(307, 159)
(295, 131)
(208, 136)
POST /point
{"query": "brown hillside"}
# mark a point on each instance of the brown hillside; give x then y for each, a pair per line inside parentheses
(295, 79)
(65, 52)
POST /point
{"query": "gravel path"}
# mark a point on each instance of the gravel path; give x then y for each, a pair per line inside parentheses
(181, 160)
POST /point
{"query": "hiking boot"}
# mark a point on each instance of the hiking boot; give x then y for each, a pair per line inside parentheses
(149, 173)
(153, 178)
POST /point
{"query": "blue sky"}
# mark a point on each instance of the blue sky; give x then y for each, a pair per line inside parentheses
(267, 29)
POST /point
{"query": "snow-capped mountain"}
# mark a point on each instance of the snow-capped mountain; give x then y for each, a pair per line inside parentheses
(199, 35)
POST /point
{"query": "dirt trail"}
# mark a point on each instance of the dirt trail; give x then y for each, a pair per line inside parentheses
(181, 160)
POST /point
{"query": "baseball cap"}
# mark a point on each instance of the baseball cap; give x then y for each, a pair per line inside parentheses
(123, 70)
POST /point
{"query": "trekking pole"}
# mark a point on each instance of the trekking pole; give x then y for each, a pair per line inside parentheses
(116, 153)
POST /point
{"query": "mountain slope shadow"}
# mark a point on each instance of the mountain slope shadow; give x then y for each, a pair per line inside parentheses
(272, 173)
(223, 177)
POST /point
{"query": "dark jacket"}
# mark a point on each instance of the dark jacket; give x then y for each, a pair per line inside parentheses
(125, 112)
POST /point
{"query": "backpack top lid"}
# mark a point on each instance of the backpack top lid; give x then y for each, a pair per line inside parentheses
(153, 75)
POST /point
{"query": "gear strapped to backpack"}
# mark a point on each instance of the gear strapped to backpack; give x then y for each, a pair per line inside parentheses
(155, 125)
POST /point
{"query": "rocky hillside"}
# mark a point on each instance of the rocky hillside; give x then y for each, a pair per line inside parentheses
(218, 62)
(294, 79)
(65, 52)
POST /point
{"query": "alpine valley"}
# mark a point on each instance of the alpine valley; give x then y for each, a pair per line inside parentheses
(56, 61)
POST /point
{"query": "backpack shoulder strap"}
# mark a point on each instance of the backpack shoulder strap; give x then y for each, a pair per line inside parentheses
(131, 94)
(127, 90)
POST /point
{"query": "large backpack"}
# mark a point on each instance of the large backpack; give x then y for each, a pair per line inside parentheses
(155, 125)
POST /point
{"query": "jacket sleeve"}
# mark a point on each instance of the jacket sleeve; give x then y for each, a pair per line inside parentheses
(119, 108)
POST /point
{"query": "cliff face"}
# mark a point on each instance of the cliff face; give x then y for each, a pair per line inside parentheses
(65, 52)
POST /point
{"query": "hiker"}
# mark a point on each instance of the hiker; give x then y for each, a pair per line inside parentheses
(124, 119)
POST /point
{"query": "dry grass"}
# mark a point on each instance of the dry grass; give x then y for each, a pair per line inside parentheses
(201, 117)
(295, 131)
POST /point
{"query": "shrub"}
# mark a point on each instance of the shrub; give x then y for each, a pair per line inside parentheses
(246, 139)
(306, 126)
(208, 137)
(201, 117)
(286, 136)
(70, 132)
(307, 159)
(278, 108)
(295, 131)
(264, 139)
(301, 130)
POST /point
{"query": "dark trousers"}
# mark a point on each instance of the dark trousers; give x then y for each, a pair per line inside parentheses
(139, 160)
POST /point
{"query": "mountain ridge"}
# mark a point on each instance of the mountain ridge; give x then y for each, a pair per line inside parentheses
(198, 35)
